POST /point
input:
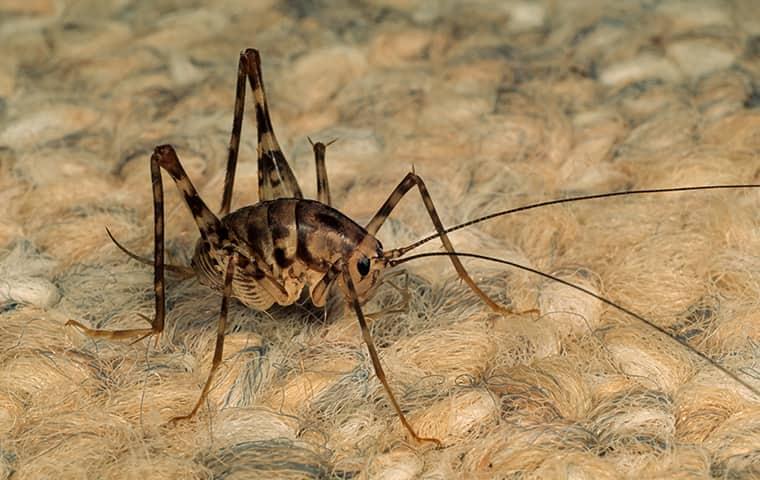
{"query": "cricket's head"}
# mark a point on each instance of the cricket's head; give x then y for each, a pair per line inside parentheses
(365, 264)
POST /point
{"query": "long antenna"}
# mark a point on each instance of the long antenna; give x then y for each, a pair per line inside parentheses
(755, 392)
(401, 251)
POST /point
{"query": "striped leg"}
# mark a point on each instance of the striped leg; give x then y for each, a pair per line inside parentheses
(276, 179)
(157, 324)
(367, 336)
(211, 229)
(232, 151)
(377, 221)
(221, 328)
(323, 185)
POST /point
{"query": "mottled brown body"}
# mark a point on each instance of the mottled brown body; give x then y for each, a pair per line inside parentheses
(270, 252)
(298, 239)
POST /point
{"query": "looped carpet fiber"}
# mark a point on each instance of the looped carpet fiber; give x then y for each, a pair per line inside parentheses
(495, 104)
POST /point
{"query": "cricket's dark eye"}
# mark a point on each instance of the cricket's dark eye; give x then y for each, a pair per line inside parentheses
(363, 266)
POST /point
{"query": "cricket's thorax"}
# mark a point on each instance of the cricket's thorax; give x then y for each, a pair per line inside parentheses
(292, 241)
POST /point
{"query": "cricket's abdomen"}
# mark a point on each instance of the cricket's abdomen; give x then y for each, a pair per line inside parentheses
(296, 239)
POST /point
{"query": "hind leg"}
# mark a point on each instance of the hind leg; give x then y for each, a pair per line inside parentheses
(276, 179)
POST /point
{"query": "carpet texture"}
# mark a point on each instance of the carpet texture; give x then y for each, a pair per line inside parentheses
(495, 104)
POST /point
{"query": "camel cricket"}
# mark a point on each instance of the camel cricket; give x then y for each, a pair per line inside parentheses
(270, 252)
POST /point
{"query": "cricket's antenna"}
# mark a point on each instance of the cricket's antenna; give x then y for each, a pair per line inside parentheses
(570, 200)
(755, 392)
(185, 272)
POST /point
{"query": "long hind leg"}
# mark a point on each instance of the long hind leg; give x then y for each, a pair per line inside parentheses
(232, 151)
(409, 181)
(276, 179)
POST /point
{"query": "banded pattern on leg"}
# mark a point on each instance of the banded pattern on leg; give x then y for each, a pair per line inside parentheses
(234, 148)
(409, 181)
(276, 179)
(211, 229)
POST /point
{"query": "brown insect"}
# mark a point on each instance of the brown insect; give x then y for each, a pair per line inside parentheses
(270, 252)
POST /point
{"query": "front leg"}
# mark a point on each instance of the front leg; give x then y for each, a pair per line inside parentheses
(409, 181)
(353, 299)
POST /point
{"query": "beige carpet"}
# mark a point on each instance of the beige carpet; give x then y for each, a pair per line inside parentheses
(495, 104)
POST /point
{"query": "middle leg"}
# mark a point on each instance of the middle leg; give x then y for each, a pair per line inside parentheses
(157, 324)
(220, 332)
